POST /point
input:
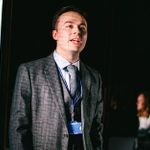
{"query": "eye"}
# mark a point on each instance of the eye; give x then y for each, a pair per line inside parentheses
(69, 26)
(83, 29)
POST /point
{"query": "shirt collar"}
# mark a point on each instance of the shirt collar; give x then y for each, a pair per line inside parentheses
(62, 62)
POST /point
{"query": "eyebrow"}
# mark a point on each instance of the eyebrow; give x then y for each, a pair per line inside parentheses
(73, 22)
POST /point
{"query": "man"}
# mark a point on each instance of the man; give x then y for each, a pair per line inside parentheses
(45, 113)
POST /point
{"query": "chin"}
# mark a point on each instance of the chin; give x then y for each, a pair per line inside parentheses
(75, 50)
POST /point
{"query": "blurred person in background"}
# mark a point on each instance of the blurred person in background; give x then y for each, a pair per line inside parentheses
(143, 113)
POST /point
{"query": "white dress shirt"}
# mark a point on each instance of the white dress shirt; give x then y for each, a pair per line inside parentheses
(144, 123)
(62, 63)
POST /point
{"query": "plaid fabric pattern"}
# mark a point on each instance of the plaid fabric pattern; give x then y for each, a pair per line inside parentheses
(37, 116)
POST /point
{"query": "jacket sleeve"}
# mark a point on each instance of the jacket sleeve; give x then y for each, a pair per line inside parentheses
(20, 135)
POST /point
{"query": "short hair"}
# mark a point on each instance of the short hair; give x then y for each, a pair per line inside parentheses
(67, 9)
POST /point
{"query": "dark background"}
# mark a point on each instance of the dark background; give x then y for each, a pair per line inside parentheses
(118, 46)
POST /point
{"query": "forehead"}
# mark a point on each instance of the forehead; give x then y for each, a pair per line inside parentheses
(73, 17)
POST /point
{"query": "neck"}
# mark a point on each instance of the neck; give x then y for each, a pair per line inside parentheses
(71, 57)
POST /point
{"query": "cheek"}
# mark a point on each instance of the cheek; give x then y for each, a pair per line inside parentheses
(85, 37)
(84, 40)
(62, 36)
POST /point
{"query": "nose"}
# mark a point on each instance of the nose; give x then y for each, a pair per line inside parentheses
(77, 31)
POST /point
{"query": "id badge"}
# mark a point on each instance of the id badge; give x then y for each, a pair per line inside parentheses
(74, 127)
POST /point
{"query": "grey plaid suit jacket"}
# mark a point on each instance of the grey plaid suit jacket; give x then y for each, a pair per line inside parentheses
(37, 116)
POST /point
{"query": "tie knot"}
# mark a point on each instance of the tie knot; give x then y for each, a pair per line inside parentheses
(72, 69)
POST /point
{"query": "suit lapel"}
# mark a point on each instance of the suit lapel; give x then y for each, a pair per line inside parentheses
(86, 82)
(54, 83)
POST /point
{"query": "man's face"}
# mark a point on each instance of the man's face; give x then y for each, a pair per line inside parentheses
(70, 32)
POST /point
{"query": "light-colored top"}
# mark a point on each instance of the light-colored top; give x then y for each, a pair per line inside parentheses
(144, 123)
(62, 63)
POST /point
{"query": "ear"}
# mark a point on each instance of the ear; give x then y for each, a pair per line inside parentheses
(54, 34)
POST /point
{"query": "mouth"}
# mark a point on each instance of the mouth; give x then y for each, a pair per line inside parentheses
(76, 41)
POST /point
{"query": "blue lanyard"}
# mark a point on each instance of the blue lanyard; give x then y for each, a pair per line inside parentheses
(75, 99)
